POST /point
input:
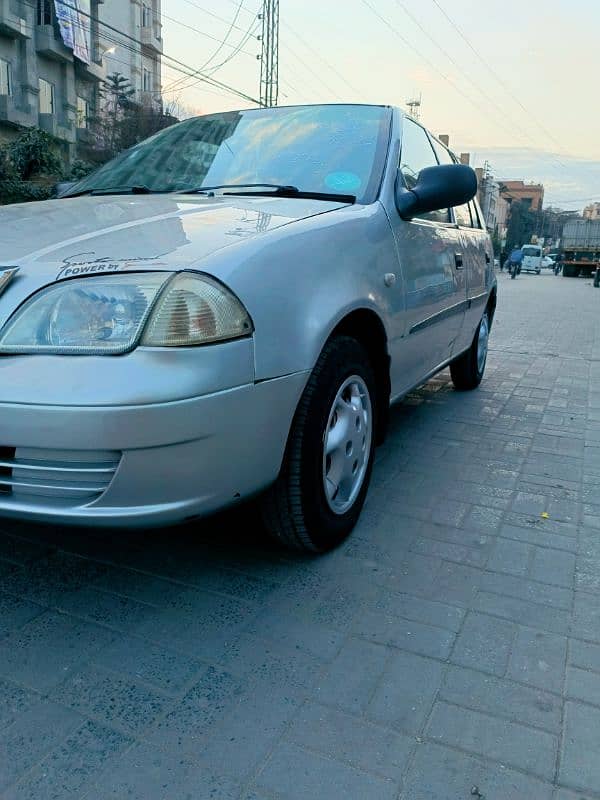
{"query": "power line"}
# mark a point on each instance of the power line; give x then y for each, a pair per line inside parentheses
(181, 66)
(316, 53)
(222, 43)
(495, 74)
(288, 49)
(227, 35)
(448, 80)
(415, 50)
(524, 134)
(251, 31)
(313, 72)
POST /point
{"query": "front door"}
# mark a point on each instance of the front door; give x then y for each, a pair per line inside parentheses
(433, 268)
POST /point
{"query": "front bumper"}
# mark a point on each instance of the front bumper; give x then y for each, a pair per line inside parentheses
(141, 465)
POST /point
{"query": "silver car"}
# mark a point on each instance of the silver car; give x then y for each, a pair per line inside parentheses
(227, 310)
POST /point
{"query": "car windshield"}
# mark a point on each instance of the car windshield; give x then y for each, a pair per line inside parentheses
(337, 149)
(532, 251)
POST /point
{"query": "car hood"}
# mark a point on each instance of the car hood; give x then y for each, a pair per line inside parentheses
(60, 239)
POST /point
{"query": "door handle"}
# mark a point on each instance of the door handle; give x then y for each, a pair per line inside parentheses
(458, 260)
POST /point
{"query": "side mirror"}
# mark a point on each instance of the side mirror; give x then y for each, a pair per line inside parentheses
(443, 186)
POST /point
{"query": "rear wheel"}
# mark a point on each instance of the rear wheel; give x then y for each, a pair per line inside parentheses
(467, 370)
(317, 499)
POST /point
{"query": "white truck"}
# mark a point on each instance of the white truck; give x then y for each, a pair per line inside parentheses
(580, 250)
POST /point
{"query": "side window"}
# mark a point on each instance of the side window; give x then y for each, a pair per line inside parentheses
(417, 154)
(465, 216)
(462, 215)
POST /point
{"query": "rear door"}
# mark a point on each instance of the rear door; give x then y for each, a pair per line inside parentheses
(432, 261)
(477, 257)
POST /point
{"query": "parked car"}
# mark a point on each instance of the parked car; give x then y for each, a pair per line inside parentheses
(548, 263)
(227, 310)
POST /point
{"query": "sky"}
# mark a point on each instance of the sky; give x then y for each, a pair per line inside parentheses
(513, 82)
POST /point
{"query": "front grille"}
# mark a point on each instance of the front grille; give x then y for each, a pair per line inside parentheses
(66, 475)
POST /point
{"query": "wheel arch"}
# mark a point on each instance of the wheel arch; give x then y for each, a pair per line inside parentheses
(364, 325)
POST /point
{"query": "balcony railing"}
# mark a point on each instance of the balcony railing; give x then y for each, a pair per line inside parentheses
(48, 42)
(150, 38)
(12, 23)
(13, 113)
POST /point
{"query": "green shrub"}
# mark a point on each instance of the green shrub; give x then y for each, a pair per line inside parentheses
(29, 167)
(80, 169)
(32, 154)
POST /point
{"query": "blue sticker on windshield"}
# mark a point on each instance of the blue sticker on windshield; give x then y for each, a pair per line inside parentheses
(343, 182)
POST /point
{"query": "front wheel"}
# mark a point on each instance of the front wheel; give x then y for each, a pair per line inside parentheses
(513, 272)
(317, 499)
(467, 370)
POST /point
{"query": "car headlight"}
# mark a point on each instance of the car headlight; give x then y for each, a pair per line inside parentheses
(111, 314)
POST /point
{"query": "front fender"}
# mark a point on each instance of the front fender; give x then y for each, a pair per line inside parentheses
(300, 281)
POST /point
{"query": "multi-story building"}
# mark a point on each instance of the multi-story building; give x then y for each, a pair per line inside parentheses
(488, 190)
(54, 54)
(530, 194)
(488, 194)
(592, 211)
(136, 21)
(502, 217)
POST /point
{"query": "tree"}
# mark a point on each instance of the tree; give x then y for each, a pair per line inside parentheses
(122, 121)
(522, 225)
(117, 91)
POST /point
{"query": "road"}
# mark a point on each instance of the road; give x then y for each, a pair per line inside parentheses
(449, 650)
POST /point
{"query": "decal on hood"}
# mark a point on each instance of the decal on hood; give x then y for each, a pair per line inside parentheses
(6, 276)
(71, 268)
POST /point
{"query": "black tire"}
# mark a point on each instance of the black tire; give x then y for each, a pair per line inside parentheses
(295, 509)
(513, 272)
(465, 370)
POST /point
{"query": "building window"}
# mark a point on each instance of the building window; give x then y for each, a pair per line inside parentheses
(146, 16)
(46, 97)
(146, 80)
(5, 78)
(82, 112)
(44, 12)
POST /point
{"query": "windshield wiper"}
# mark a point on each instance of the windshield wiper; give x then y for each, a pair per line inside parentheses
(114, 190)
(272, 190)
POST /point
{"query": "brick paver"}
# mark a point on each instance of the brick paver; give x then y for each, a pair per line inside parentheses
(450, 649)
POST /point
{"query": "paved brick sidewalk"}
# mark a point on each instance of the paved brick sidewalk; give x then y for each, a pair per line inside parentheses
(451, 647)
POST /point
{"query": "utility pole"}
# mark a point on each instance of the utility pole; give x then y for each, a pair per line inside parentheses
(414, 107)
(269, 61)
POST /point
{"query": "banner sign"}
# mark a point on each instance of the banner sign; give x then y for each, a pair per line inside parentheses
(75, 27)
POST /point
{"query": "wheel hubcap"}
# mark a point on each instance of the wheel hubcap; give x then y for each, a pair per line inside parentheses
(482, 343)
(347, 444)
